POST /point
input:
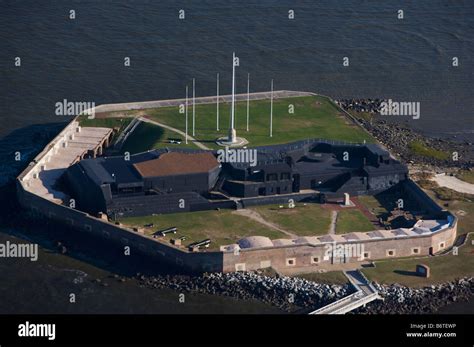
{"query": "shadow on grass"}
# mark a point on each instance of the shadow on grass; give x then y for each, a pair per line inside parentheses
(406, 273)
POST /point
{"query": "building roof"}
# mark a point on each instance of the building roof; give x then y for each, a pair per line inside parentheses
(109, 170)
(177, 163)
(255, 242)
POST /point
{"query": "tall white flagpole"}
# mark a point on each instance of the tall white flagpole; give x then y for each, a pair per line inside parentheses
(271, 112)
(186, 108)
(194, 109)
(233, 91)
(217, 102)
(248, 99)
(232, 114)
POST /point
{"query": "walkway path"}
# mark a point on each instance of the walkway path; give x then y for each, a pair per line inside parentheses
(365, 293)
(258, 218)
(454, 183)
(182, 133)
(332, 226)
(142, 105)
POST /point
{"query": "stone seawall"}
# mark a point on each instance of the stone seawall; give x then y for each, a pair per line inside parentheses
(143, 105)
(307, 257)
(119, 236)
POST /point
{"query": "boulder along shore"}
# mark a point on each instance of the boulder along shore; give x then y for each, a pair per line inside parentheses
(405, 300)
(294, 294)
(287, 293)
(397, 137)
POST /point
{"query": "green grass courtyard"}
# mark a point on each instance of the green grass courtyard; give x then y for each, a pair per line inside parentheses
(294, 119)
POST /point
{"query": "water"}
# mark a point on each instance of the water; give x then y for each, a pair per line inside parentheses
(45, 286)
(82, 60)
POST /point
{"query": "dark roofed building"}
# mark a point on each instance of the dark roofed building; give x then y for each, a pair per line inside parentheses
(174, 172)
(155, 181)
(176, 163)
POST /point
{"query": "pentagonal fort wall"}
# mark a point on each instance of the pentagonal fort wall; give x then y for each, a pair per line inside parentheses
(289, 258)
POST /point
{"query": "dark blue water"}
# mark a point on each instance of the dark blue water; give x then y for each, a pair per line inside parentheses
(82, 60)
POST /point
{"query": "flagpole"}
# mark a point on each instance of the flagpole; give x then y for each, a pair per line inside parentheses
(232, 132)
(248, 99)
(271, 112)
(186, 107)
(233, 91)
(194, 109)
(217, 102)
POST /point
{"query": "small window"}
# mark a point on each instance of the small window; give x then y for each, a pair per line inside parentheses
(314, 260)
(265, 263)
(272, 177)
(390, 252)
(442, 245)
(415, 250)
(290, 262)
(240, 267)
(366, 255)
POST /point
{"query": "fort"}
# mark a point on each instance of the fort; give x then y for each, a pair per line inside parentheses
(72, 182)
(156, 181)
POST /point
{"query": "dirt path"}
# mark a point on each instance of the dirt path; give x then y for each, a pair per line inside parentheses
(182, 133)
(332, 226)
(254, 215)
(454, 183)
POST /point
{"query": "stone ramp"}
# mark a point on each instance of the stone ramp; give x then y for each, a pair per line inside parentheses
(365, 293)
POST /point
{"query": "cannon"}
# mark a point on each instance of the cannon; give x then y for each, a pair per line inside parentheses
(174, 141)
(204, 243)
(163, 232)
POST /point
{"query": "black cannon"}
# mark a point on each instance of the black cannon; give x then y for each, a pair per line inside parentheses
(204, 243)
(163, 232)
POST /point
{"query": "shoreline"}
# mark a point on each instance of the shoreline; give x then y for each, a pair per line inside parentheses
(298, 295)
(216, 287)
(397, 137)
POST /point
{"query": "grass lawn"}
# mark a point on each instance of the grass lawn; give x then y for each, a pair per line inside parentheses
(419, 148)
(443, 268)
(313, 117)
(444, 195)
(309, 220)
(222, 227)
(149, 136)
(332, 277)
(373, 205)
(352, 221)
(466, 176)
